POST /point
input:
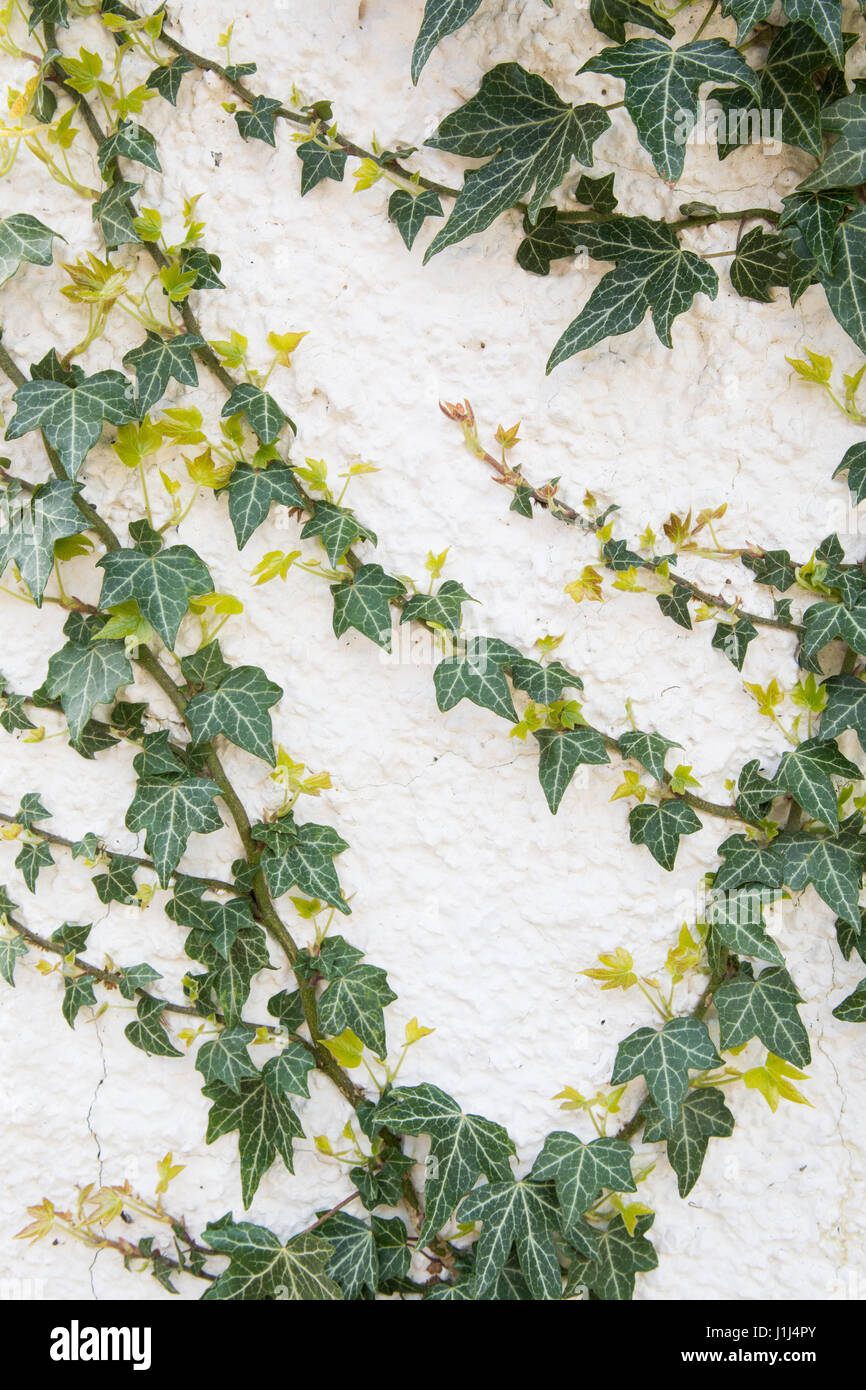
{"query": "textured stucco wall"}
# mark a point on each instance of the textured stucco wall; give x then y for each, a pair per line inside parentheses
(480, 905)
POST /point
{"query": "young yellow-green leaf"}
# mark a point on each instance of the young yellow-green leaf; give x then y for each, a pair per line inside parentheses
(660, 827)
(475, 671)
(85, 675)
(157, 360)
(703, 1116)
(363, 604)
(237, 708)
(261, 1267)
(519, 1214)
(462, 1147)
(24, 238)
(30, 528)
(72, 416)
(162, 584)
(663, 1057)
(764, 1007)
(264, 415)
(319, 162)
(580, 1171)
(661, 89)
(561, 753)
(653, 274)
(530, 137)
(806, 772)
(251, 491)
(169, 812)
(147, 1030)
(266, 1124)
(409, 213)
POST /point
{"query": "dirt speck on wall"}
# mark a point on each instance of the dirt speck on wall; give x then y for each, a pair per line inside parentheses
(481, 906)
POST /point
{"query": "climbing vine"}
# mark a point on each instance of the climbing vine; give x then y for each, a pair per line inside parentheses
(143, 638)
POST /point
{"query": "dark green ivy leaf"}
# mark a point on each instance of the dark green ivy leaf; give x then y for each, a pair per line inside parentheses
(72, 937)
(580, 1171)
(462, 1147)
(817, 216)
(148, 1032)
(675, 605)
(444, 607)
(755, 793)
(619, 1257)
(764, 1007)
(258, 122)
(261, 1267)
(117, 884)
(852, 937)
(737, 918)
(833, 865)
(441, 17)
(169, 812)
(162, 584)
(354, 1263)
(733, 639)
(363, 604)
(133, 979)
(114, 215)
(773, 568)
(166, 79)
(264, 415)
(530, 138)
(77, 994)
(845, 708)
(86, 676)
(409, 211)
(611, 17)
(761, 262)
(12, 948)
(844, 165)
(251, 492)
(71, 417)
(319, 162)
(226, 1058)
(597, 194)
(337, 528)
(661, 89)
(31, 810)
(546, 240)
(475, 670)
(239, 709)
(29, 528)
(301, 856)
(24, 238)
(157, 360)
(266, 1124)
(664, 1057)
(660, 827)
(703, 1116)
(519, 1214)
(206, 667)
(561, 753)
(853, 1008)
(31, 859)
(204, 266)
(846, 286)
(356, 994)
(129, 140)
(854, 464)
(647, 749)
(48, 12)
(806, 771)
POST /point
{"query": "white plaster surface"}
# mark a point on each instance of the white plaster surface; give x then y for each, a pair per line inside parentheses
(481, 906)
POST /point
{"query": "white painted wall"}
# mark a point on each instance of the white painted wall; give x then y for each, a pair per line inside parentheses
(480, 905)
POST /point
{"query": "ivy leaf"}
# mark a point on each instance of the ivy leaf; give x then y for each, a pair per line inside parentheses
(135, 978)
(71, 417)
(77, 995)
(29, 528)
(237, 708)
(760, 263)
(363, 604)
(653, 274)
(205, 667)
(72, 937)
(845, 708)
(356, 994)
(475, 671)
(597, 194)
(266, 1124)
(117, 884)
(755, 794)
(773, 568)
(114, 215)
(663, 1057)
(12, 948)
(157, 360)
(262, 1268)
(611, 17)
(661, 89)
(844, 164)
(660, 827)
(519, 1214)
(441, 17)
(24, 238)
(319, 162)
(851, 937)
(251, 491)
(31, 859)
(462, 1147)
(166, 79)
(86, 676)
(290, 1070)
(853, 1007)
(258, 123)
(816, 216)
(833, 866)
(13, 717)
(533, 137)
(619, 1257)
(846, 286)
(354, 1262)
(337, 528)
(48, 11)
(162, 584)
(409, 212)
(580, 1171)
(169, 812)
(675, 606)
(787, 89)
(854, 464)
(147, 1031)
(544, 684)
(737, 918)
(703, 1116)
(301, 856)
(545, 241)
(202, 264)
(561, 753)
(226, 1058)
(805, 772)
(157, 757)
(647, 749)
(764, 1007)
(733, 640)
(264, 415)
(444, 607)
(129, 140)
